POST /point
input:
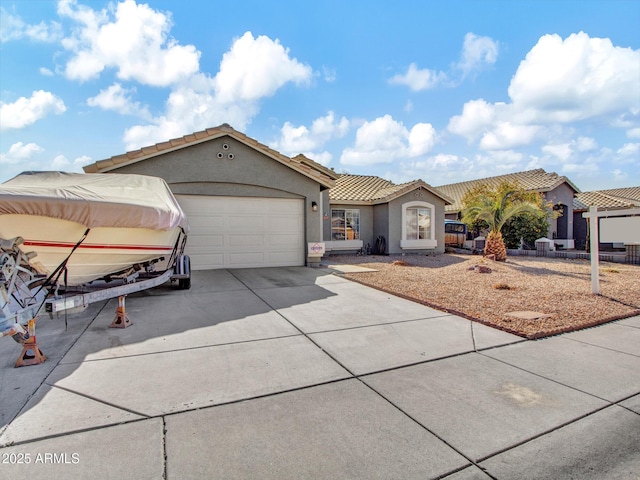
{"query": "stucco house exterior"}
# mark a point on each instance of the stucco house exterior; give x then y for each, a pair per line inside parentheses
(251, 206)
(612, 199)
(247, 205)
(557, 189)
(362, 209)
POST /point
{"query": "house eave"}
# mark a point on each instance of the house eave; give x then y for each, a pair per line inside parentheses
(146, 153)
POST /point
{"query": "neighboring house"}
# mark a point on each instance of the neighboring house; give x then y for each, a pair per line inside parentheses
(614, 199)
(557, 189)
(247, 205)
(360, 210)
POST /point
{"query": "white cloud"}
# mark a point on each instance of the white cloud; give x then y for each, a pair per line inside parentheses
(576, 79)
(118, 99)
(82, 160)
(500, 159)
(294, 140)
(559, 81)
(329, 74)
(135, 43)
(476, 116)
(45, 72)
(12, 27)
(26, 111)
(477, 51)
(629, 149)
(19, 152)
(633, 132)
(585, 144)
(439, 169)
(506, 135)
(60, 162)
(561, 151)
(572, 149)
(384, 140)
(419, 79)
(255, 68)
(191, 106)
(618, 175)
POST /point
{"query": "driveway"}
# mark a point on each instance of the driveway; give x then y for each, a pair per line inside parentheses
(299, 373)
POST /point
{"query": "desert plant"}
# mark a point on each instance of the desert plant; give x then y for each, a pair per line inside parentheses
(494, 207)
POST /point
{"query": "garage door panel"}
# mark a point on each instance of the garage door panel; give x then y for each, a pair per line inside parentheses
(206, 222)
(284, 241)
(288, 224)
(289, 207)
(246, 259)
(245, 223)
(282, 259)
(240, 241)
(228, 232)
(215, 260)
(204, 241)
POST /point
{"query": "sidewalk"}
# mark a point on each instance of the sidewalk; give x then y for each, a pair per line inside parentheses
(298, 373)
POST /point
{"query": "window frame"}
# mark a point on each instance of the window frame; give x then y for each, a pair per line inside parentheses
(346, 212)
(426, 243)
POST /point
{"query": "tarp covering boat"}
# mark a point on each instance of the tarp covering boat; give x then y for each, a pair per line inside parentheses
(94, 200)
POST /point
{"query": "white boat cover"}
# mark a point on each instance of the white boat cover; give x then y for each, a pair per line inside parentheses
(94, 200)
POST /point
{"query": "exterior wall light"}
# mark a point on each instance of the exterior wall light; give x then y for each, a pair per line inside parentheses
(314, 206)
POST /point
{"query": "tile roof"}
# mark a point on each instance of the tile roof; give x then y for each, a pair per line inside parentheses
(613, 198)
(300, 163)
(534, 180)
(366, 189)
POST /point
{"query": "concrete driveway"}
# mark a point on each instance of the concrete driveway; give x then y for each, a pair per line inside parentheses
(298, 373)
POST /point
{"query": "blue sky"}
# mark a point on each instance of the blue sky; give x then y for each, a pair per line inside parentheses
(441, 91)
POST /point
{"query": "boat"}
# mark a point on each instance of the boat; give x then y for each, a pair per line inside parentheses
(68, 240)
(79, 228)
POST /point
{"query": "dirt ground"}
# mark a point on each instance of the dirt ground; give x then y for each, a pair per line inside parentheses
(560, 288)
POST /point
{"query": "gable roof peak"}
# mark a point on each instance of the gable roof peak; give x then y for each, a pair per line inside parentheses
(307, 167)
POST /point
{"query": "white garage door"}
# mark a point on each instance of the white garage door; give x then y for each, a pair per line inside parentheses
(238, 232)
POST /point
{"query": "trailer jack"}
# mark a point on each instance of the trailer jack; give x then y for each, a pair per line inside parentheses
(31, 353)
(121, 319)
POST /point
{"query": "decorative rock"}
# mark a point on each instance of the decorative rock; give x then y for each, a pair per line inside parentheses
(482, 269)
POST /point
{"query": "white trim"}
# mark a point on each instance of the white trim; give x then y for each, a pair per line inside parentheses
(427, 243)
(594, 251)
(343, 245)
(417, 244)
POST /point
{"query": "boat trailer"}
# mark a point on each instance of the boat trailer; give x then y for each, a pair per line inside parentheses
(25, 295)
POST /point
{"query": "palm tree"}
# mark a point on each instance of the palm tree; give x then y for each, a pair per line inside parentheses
(495, 207)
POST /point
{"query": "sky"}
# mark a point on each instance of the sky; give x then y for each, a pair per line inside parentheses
(443, 91)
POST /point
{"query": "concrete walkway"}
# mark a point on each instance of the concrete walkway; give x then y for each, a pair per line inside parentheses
(297, 373)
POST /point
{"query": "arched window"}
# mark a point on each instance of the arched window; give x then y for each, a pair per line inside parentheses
(417, 225)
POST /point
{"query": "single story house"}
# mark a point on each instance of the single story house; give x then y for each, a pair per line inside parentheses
(250, 206)
(557, 189)
(389, 218)
(247, 205)
(613, 199)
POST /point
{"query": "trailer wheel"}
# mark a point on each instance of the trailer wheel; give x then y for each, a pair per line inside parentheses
(185, 283)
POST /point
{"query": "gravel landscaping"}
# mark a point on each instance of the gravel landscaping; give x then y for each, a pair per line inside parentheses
(560, 288)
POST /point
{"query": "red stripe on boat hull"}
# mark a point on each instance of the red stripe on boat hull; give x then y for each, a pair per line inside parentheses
(96, 246)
